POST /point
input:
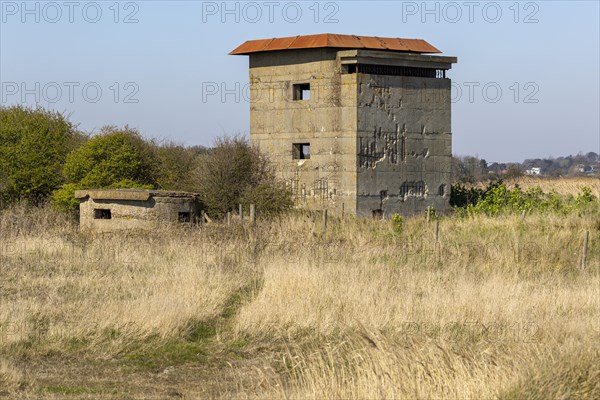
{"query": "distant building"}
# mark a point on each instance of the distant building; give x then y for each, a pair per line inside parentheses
(354, 124)
(587, 169)
(533, 171)
(120, 209)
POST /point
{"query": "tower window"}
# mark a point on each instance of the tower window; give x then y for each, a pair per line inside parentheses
(442, 190)
(302, 91)
(349, 68)
(301, 151)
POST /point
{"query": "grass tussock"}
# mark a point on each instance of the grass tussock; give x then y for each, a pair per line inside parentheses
(11, 377)
(498, 307)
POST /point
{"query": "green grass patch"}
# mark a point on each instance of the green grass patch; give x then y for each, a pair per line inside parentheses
(237, 344)
(170, 353)
(195, 341)
(73, 390)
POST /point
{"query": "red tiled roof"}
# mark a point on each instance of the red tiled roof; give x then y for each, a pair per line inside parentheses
(337, 41)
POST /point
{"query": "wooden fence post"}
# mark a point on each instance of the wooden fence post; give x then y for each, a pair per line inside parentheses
(252, 214)
(324, 219)
(586, 237)
(428, 213)
(241, 213)
(436, 230)
(228, 218)
(524, 214)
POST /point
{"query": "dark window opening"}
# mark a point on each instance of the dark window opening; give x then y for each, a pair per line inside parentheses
(302, 91)
(349, 68)
(442, 190)
(419, 188)
(301, 151)
(404, 189)
(378, 214)
(184, 217)
(102, 213)
(412, 188)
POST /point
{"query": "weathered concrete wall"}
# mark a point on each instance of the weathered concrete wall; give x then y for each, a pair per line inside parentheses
(327, 121)
(378, 142)
(135, 214)
(404, 144)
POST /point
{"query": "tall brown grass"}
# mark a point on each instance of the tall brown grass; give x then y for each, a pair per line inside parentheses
(563, 186)
(497, 308)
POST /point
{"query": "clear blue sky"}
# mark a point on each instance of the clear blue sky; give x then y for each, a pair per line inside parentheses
(543, 56)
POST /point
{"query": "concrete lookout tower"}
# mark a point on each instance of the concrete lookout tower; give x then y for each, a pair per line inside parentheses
(354, 124)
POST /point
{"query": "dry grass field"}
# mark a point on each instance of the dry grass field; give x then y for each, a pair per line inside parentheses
(498, 308)
(563, 186)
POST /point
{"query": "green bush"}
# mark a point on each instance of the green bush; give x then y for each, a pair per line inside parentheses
(114, 155)
(585, 197)
(461, 196)
(115, 159)
(397, 223)
(64, 199)
(177, 164)
(34, 144)
(235, 172)
(269, 197)
(497, 199)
